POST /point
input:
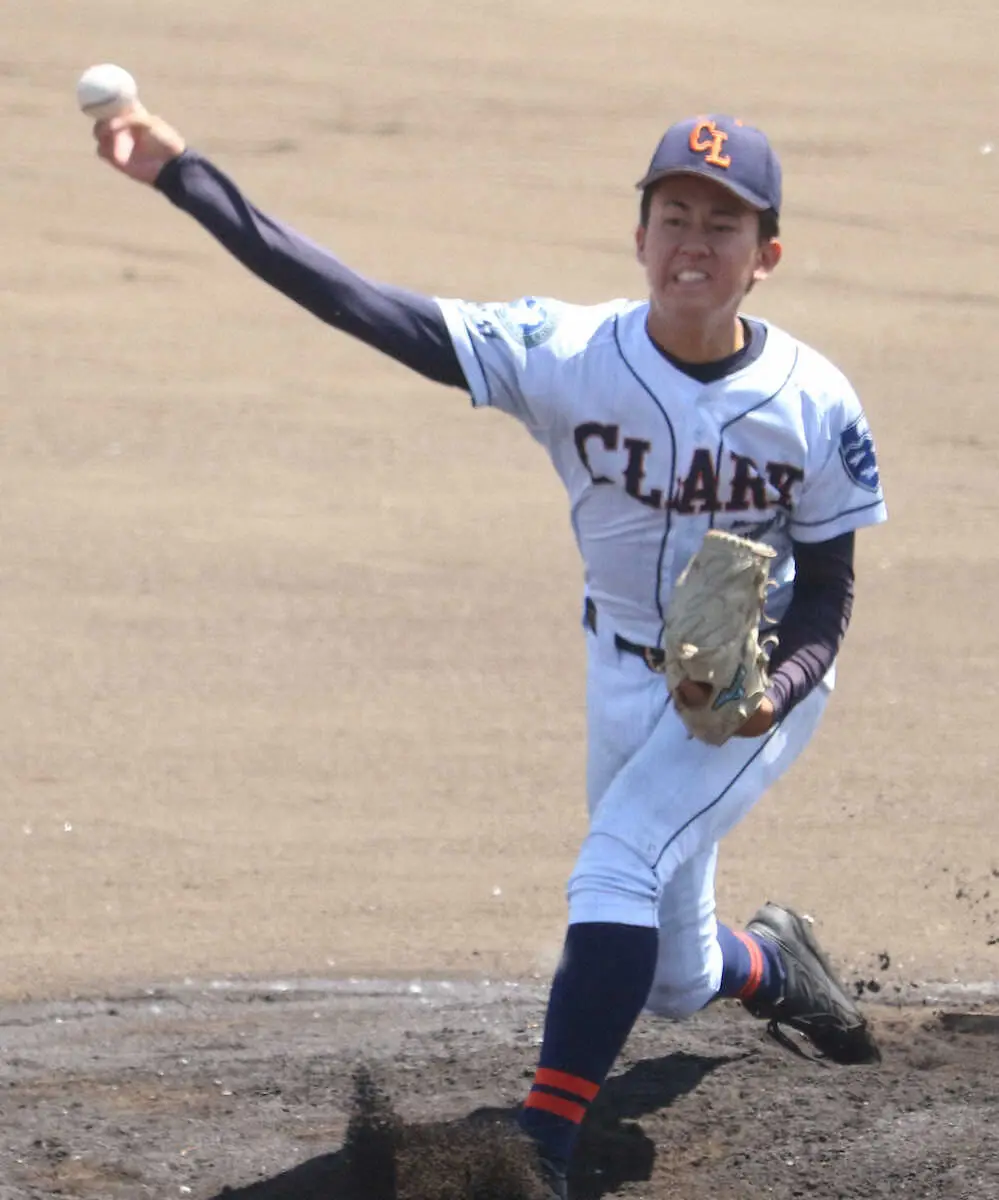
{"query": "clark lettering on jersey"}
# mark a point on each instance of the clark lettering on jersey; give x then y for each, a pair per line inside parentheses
(778, 449)
(703, 488)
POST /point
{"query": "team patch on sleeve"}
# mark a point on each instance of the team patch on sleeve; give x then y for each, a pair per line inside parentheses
(482, 317)
(528, 320)
(856, 450)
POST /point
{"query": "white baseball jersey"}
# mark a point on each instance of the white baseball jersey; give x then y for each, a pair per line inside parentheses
(651, 458)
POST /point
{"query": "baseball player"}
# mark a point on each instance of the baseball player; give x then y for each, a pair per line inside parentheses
(665, 418)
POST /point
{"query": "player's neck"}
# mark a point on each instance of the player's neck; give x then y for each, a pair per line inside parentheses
(696, 341)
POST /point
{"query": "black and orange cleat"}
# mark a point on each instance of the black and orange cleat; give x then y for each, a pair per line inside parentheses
(813, 1001)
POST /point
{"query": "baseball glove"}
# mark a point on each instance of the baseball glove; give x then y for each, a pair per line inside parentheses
(712, 634)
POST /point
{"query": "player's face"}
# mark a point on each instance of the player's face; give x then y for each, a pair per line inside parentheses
(701, 250)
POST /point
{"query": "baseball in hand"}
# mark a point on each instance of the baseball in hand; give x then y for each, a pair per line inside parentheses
(106, 91)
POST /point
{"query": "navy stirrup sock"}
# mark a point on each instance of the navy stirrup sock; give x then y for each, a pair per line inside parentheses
(751, 966)
(598, 992)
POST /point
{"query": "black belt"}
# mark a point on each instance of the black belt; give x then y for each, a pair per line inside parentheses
(652, 656)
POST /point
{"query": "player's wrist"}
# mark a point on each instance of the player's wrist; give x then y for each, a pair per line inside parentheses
(169, 174)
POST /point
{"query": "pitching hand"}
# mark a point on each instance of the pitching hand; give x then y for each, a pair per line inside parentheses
(137, 144)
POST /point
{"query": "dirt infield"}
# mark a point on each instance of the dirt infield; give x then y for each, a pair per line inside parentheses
(290, 640)
(245, 1092)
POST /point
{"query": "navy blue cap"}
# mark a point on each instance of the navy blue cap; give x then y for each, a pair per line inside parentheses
(724, 149)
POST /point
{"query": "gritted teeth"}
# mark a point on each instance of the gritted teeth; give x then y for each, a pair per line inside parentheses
(690, 276)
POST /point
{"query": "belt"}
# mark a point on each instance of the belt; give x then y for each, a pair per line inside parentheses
(652, 656)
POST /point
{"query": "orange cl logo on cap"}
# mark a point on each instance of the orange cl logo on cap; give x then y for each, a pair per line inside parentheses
(707, 139)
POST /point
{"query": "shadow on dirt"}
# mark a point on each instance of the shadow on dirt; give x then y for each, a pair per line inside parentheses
(481, 1156)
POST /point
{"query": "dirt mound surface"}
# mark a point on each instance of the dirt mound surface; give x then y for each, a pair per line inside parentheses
(250, 1094)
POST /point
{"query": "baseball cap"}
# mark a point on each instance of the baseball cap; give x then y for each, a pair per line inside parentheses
(724, 149)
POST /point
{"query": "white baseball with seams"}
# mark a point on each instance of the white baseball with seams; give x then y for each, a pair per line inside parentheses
(106, 90)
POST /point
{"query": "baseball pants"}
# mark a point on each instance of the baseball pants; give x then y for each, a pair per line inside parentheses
(659, 803)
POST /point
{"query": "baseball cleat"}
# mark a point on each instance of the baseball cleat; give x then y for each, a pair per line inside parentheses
(554, 1180)
(813, 1002)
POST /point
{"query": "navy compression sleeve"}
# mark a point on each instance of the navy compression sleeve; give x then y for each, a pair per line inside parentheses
(404, 325)
(816, 620)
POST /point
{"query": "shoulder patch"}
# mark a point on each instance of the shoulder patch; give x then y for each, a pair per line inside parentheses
(527, 320)
(482, 317)
(856, 450)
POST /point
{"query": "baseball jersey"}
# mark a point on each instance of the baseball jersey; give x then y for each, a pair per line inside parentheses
(770, 443)
(652, 458)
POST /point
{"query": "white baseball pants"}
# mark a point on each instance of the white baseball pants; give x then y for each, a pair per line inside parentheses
(659, 803)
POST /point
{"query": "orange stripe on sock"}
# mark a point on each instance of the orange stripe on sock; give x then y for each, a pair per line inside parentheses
(755, 967)
(555, 1104)
(567, 1083)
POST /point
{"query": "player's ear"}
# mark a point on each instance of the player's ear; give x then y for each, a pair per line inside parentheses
(640, 232)
(767, 259)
